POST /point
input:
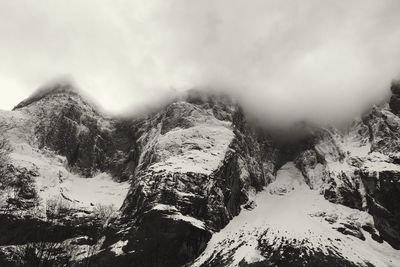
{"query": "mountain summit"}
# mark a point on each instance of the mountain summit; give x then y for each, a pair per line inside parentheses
(195, 183)
(53, 88)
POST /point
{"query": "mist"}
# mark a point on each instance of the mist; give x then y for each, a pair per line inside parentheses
(287, 61)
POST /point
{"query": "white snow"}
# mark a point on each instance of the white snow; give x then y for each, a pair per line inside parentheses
(193, 221)
(117, 247)
(381, 166)
(177, 216)
(184, 194)
(294, 217)
(249, 253)
(164, 207)
(198, 149)
(99, 189)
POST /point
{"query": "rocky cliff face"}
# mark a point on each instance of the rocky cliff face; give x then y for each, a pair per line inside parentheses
(359, 168)
(196, 178)
(333, 204)
(68, 124)
(199, 162)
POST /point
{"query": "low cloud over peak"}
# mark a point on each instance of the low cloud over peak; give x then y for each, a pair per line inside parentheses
(287, 60)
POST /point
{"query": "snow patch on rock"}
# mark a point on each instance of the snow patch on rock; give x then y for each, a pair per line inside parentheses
(174, 214)
(193, 221)
(198, 149)
(117, 247)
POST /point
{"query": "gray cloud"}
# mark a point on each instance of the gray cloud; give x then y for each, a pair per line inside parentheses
(287, 60)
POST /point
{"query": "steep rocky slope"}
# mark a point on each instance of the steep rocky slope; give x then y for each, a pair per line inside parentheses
(195, 183)
(199, 161)
(55, 139)
(292, 225)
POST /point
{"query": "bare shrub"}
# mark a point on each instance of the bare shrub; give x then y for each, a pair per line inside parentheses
(104, 212)
(46, 254)
(5, 150)
(56, 206)
(5, 178)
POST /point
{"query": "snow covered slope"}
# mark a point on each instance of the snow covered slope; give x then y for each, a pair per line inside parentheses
(293, 225)
(53, 179)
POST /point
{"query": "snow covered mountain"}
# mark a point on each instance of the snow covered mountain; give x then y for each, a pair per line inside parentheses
(194, 183)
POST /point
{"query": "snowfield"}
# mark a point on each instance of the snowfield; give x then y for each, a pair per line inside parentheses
(55, 180)
(100, 189)
(198, 149)
(288, 213)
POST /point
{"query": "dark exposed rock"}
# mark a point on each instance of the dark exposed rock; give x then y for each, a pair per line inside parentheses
(290, 150)
(383, 191)
(351, 229)
(157, 238)
(395, 99)
(347, 194)
(17, 230)
(178, 115)
(20, 181)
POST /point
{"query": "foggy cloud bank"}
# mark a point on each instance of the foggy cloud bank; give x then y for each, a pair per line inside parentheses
(286, 60)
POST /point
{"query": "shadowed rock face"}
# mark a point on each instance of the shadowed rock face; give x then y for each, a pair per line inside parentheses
(382, 186)
(395, 99)
(383, 191)
(19, 231)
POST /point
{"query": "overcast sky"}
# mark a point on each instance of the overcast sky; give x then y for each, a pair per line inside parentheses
(320, 60)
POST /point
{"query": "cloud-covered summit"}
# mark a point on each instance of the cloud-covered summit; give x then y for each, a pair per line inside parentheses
(287, 60)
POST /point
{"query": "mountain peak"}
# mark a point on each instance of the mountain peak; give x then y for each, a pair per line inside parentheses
(53, 88)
